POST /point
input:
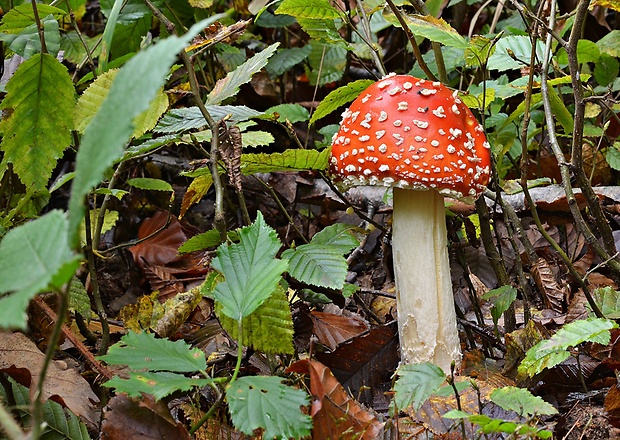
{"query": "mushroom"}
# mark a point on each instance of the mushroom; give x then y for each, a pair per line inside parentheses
(414, 134)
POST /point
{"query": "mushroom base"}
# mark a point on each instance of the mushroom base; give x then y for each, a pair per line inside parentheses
(425, 302)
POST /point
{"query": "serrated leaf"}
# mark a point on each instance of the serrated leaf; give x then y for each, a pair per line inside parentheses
(285, 59)
(256, 139)
(91, 100)
(521, 401)
(206, 240)
(608, 301)
(612, 156)
(269, 329)
(339, 97)
(141, 351)
(27, 42)
(250, 269)
(587, 52)
(318, 265)
(327, 60)
(79, 301)
(501, 298)
(32, 256)
(550, 352)
(416, 383)
(159, 384)
(289, 112)
(265, 402)
(112, 127)
(337, 237)
(427, 26)
(189, 118)
(150, 184)
(229, 86)
(313, 9)
(289, 160)
(39, 118)
(520, 47)
(606, 70)
(324, 31)
(478, 51)
(21, 16)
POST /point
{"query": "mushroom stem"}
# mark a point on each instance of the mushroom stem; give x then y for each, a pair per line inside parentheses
(424, 298)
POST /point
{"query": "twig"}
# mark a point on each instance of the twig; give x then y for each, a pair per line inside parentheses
(219, 218)
(414, 44)
(40, 28)
(97, 366)
(94, 282)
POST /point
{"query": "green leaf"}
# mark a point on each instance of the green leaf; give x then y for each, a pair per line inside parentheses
(39, 118)
(549, 353)
(91, 100)
(269, 329)
(514, 52)
(27, 42)
(132, 10)
(229, 86)
(141, 351)
(318, 265)
(337, 237)
(264, 402)
(559, 110)
(250, 269)
(189, 118)
(427, 26)
(111, 128)
(324, 31)
(32, 256)
(20, 17)
(313, 9)
(150, 184)
(202, 241)
(587, 52)
(606, 70)
(328, 60)
(79, 301)
(478, 51)
(339, 97)
(501, 298)
(608, 301)
(521, 401)
(160, 384)
(289, 160)
(612, 156)
(416, 383)
(289, 112)
(286, 59)
(610, 43)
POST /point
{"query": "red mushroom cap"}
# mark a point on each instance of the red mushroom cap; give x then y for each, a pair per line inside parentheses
(411, 133)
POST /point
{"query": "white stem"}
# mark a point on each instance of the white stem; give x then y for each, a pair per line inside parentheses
(424, 299)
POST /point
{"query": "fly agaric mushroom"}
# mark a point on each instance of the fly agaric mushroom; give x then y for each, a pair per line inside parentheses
(412, 134)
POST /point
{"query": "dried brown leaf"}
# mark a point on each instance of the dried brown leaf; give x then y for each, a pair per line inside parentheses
(335, 414)
(553, 294)
(147, 420)
(161, 248)
(332, 330)
(22, 360)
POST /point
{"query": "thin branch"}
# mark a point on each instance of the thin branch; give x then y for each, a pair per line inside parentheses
(40, 28)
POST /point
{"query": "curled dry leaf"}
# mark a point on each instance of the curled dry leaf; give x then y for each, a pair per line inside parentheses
(553, 294)
(335, 414)
(332, 330)
(161, 248)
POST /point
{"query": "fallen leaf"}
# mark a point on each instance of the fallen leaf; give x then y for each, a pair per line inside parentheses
(22, 360)
(125, 419)
(332, 330)
(335, 414)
